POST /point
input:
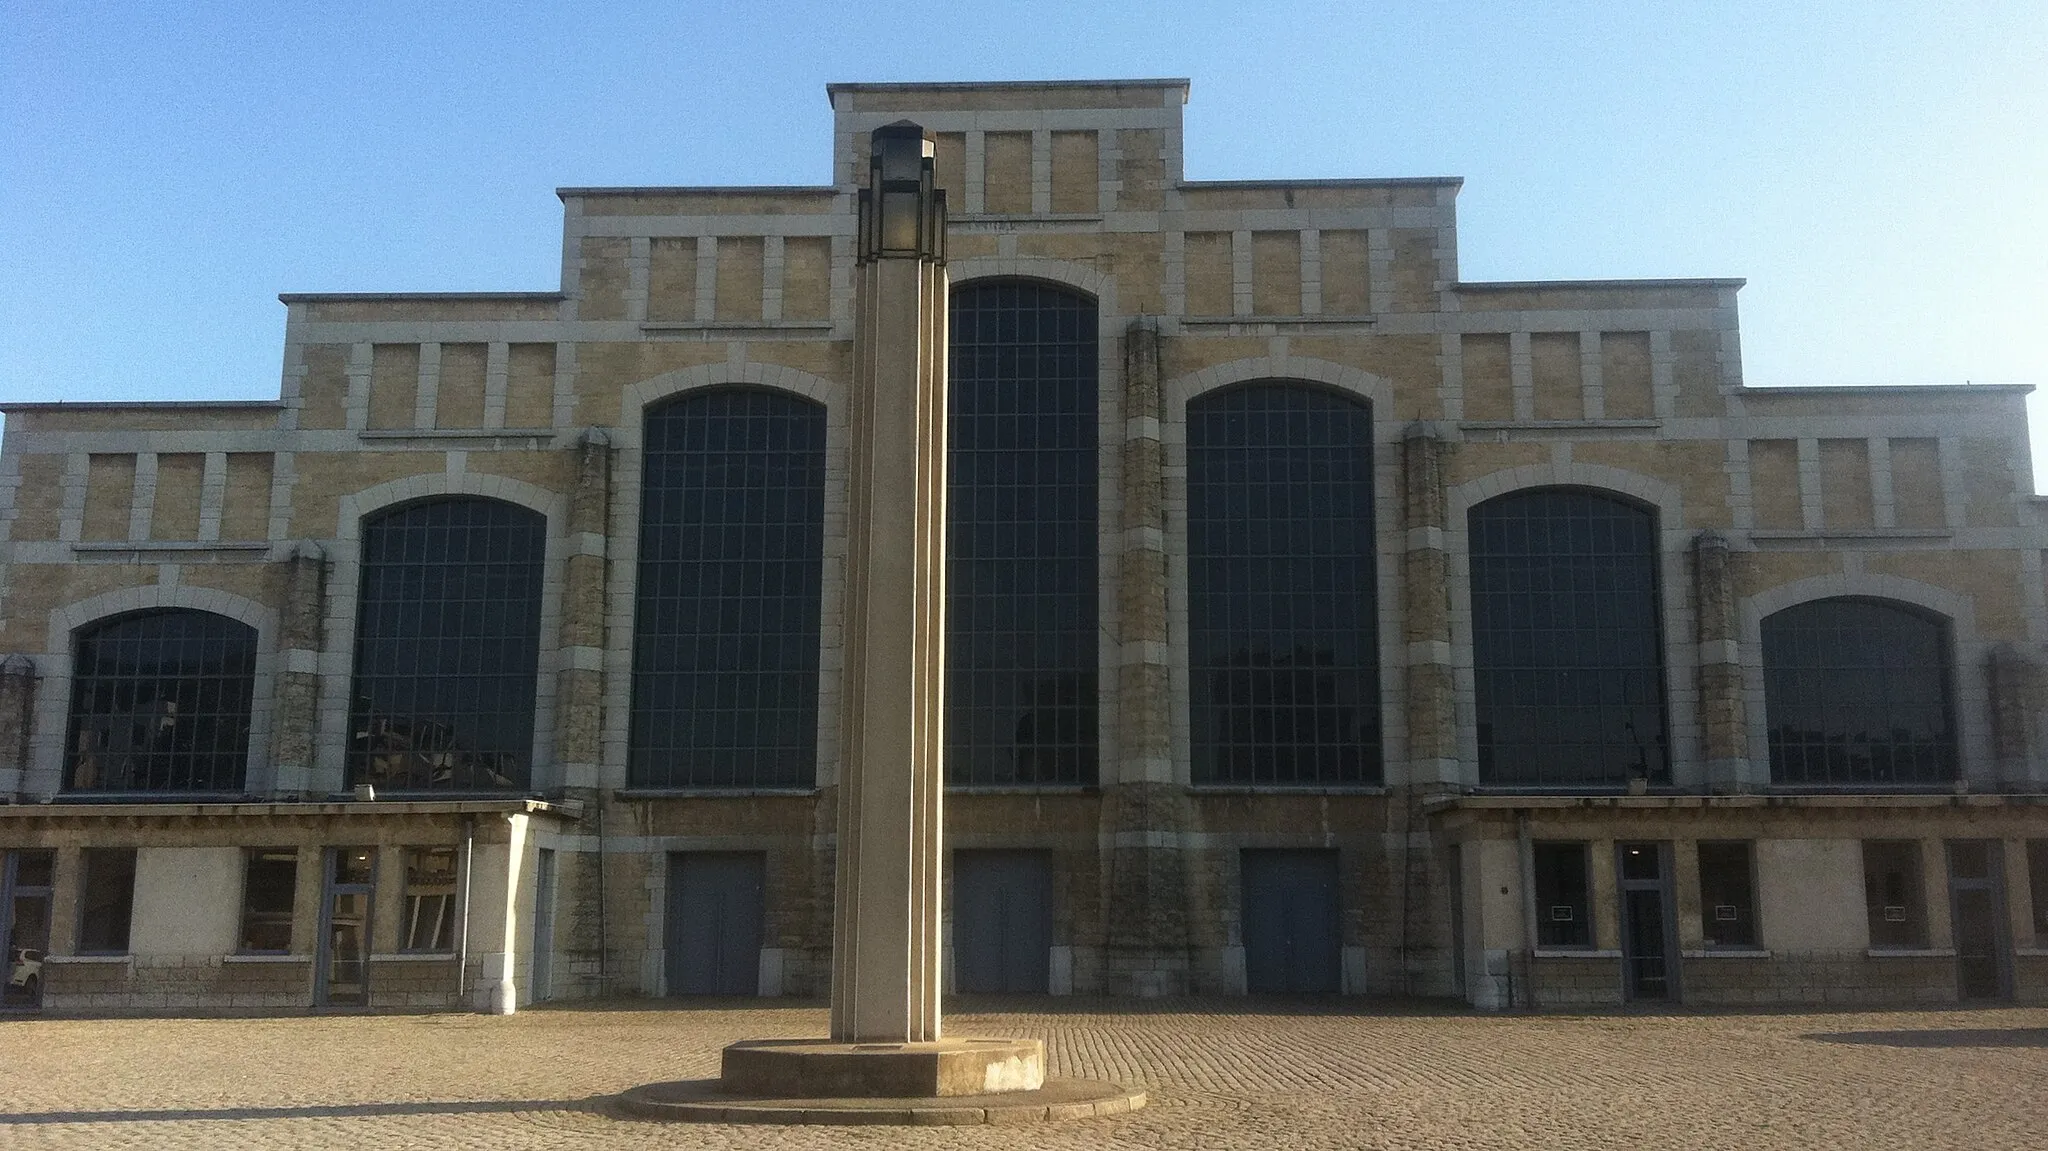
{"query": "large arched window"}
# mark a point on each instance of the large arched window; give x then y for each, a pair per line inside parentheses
(1857, 693)
(1568, 661)
(1283, 658)
(447, 646)
(725, 635)
(1021, 547)
(160, 702)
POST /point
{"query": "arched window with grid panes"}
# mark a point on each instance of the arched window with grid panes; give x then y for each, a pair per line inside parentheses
(447, 646)
(1283, 650)
(726, 611)
(160, 702)
(1859, 693)
(1021, 464)
(1567, 648)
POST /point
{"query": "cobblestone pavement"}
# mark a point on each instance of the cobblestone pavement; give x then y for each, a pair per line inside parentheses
(1243, 1073)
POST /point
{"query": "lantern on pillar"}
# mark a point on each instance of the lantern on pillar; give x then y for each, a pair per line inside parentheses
(902, 213)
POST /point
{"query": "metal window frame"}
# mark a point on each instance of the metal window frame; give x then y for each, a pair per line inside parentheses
(1341, 576)
(713, 754)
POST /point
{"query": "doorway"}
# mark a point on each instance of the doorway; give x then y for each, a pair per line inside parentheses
(1002, 922)
(1977, 915)
(1649, 935)
(713, 931)
(1290, 922)
(25, 878)
(343, 975)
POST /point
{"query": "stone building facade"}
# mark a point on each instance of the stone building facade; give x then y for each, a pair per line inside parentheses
(1393, 634)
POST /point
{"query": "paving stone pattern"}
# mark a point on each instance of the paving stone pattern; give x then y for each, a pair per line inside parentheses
(1247, 1073)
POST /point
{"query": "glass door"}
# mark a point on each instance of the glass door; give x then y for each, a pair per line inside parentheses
(343, 979)
(1649, 944)
(1978, 919)
(25, 925)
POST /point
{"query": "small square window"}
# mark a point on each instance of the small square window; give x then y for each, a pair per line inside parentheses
(269, 889)
(107, 903)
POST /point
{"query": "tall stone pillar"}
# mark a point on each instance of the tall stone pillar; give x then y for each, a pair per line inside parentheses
(885, 1041)
(295, 716)
(1724, 731)
(1426, 613)
(885, 945)
(1145, 808)
(1433, 765)
(579, 680)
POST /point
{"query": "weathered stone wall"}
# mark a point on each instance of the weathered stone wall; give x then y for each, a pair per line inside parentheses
(1765, 497)
(1819, 978)
(1577, 982)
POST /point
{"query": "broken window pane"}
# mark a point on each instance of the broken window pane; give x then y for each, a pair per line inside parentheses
(447, 646)
(269, 887)
(160, 702)
(430, 888)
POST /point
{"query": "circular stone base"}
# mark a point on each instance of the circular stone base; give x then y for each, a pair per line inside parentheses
(706, 1101)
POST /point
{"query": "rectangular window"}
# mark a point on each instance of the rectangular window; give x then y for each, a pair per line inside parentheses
(2037, 879)
(429, 899)
(269, 887)
(1564, 907)
(108, 901)
(1891, 892)
(1727, 894)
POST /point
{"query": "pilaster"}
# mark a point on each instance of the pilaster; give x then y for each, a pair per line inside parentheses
(1145, 808)
(296, 714)
(1724, 733)
(579, 676)
(17, 707)
(1426, 613)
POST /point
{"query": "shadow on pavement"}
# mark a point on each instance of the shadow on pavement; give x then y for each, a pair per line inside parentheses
(315, 1111)
(1950, 1037)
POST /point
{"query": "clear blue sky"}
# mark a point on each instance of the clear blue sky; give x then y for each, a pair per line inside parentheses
(1877, 170)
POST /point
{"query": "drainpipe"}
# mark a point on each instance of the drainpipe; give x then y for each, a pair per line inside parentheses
(462, 924)
(604, 943)
(1527, 850)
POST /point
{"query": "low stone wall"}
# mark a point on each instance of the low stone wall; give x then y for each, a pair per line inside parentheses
(1577, 982)
(1819, 978)
(413, 983)
(236, 985)
(169, 984)
(1778, 979)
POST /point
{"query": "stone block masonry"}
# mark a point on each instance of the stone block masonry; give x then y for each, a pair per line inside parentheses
(1759, 500)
